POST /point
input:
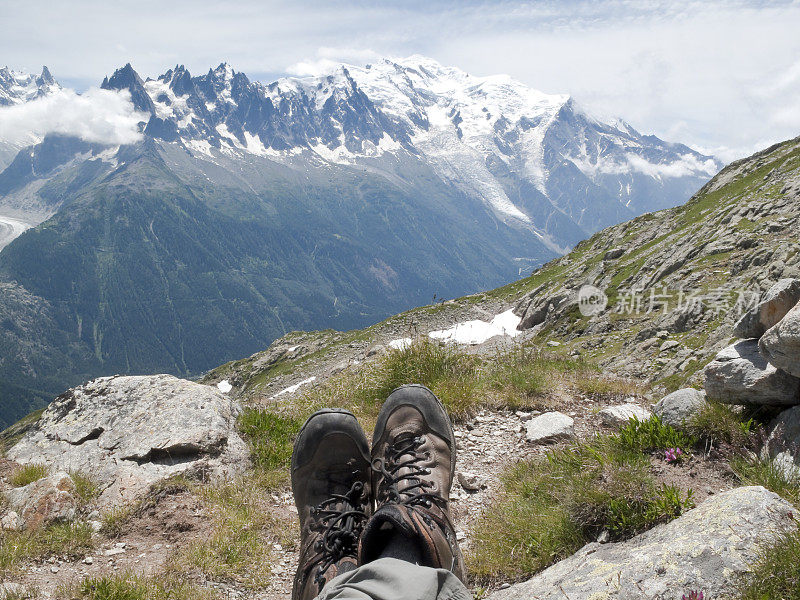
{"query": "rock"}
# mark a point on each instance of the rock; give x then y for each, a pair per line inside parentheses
(616, 416)
(669, 345)
(129, 432)
(678, 407)
(778, 301)
(705, 550)
(11, 521)
(9, 590)
(740, 374)
(469, 482)
(781, 343)
(550, 427)
(376, 350)
(614, 254)
(783, 442)
(44, 501)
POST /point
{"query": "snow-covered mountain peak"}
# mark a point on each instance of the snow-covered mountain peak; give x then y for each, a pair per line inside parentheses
(17, 87)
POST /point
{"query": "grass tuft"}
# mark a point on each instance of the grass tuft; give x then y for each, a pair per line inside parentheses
(719, 423)
(764, 472)
(25, 474)
(86, 488)
(776, 573)
(58, 539)
(555, 504)
(270, 437)
(129, 586)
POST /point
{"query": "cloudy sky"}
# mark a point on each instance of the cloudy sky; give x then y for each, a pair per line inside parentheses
(723, 76)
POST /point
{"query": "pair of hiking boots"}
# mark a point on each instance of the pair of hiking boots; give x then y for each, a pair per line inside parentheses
(352, 503)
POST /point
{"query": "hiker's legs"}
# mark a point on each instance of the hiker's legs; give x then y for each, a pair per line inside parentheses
(393, 579)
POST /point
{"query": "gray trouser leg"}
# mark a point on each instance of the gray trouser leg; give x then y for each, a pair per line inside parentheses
(392, 579)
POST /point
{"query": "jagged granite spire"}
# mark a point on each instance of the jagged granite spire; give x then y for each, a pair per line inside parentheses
(127, 78)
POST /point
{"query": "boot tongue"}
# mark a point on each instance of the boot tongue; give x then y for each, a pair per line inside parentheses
(388, 521)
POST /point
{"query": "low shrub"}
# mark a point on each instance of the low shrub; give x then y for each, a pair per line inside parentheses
(651, 435)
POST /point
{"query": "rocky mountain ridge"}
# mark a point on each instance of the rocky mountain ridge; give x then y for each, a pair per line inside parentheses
(250, 210)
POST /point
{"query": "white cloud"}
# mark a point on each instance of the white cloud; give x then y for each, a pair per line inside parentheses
(686, 165)
(99, 116)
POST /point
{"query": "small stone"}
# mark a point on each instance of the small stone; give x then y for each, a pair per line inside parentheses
(114, 551)
(11, 521)
(505, 586)
(550, 427)
(461, 536)
(553, 344)
(668, 345)
(88, 560)
(469, 481)
(617, 416)
(54, 569)
(663, 334)
(604, 537)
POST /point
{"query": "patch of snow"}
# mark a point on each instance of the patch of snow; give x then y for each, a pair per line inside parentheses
(224, 386)
(477, 332)
(400, 343)
(295, 387)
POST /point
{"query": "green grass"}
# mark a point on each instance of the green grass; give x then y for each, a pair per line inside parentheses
(60, 539)
(86, 488)
(270, 437)
(129, 586)
(764, 472)
(239, 548)
(719, 423)
(555, 504)
(25, 474)
(776, 573)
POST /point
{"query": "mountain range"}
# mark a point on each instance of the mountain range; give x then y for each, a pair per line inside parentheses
(246, 210)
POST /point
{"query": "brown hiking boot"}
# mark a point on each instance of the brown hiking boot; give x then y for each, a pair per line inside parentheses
(331, 486)
(413, 463)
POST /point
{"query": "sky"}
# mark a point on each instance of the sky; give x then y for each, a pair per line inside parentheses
(721, 76)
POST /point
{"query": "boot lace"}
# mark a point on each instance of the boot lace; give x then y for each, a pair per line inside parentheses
(341, 518)
(402, 473)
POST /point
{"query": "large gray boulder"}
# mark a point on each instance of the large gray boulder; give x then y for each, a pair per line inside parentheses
(678, 408)
(782, 445)
(778, 301)
(740, 374)
(781, 343)
(129, 432)
(703, 550)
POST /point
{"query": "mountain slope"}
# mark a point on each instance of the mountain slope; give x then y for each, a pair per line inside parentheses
(249, 210)
(704, 263)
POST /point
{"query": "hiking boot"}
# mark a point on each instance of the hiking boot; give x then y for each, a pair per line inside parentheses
(413, 463)
(331, 486)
